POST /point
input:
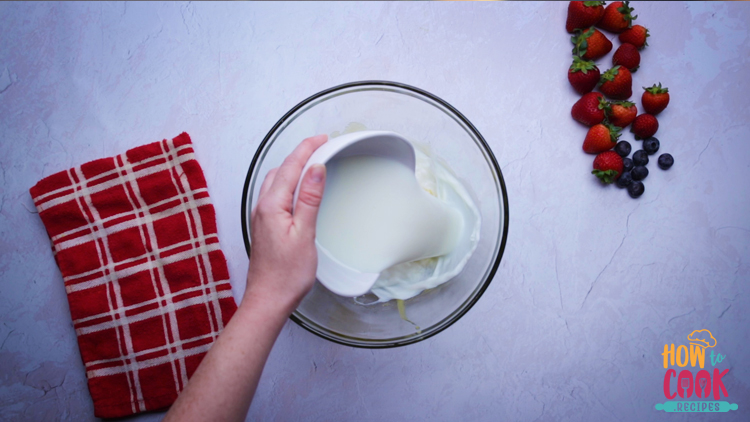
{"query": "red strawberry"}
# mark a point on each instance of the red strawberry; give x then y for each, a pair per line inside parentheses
(636, 35)
(583, 75)
(627, 56)
(644, 126)
(617, 17)
(622, 113)
(582, 14)
(607, 166)
(655, 99)
(590, 44)
(589, 110)
(617, 83)
(600, 138)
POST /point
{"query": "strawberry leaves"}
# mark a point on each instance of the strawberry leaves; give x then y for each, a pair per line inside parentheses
(607, 176)
(580, 41)
(626, 10)
(657, 89)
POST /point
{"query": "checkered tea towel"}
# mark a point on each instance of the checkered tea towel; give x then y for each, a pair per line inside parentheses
(135, 239)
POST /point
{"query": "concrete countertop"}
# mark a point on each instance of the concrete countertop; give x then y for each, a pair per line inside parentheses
(593, 284)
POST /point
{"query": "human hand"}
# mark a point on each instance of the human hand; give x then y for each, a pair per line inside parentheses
(283, 261)
(283, 258)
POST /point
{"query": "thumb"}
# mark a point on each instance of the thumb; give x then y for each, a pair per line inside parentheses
(308, 201)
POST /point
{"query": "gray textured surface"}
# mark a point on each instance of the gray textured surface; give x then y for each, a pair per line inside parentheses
(591, 287)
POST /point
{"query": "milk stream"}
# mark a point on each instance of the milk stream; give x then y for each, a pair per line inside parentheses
(375, 215)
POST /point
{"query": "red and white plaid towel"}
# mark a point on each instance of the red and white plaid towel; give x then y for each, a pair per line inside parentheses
(135, 239)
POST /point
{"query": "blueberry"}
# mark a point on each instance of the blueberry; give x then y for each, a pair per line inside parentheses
(636, 189)
(627, 164)
(639, 172)
(651, 145)
(625, 180)
(623, 148)
(665, 161)
(640, 158)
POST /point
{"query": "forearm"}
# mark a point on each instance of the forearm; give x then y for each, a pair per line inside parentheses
(224, 384)
(282, 269)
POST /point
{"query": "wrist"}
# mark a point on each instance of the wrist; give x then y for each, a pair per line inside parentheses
(271, 302)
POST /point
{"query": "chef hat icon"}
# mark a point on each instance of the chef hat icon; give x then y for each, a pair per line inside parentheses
(702, 338)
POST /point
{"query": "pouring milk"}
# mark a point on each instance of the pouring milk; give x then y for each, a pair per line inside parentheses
(375, 215)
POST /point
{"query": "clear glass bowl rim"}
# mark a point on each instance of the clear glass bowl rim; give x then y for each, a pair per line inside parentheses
(490, 275)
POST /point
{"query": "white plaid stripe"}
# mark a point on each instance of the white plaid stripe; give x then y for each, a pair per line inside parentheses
(85, 196)
(147, 363)
(130, 179)
(196, 300)
(153, 301)
(125, 272)
(149, 351)
(119, 344)
(193, 210)
(125, 262)
(80, 201)
(99, 176)
(125, 224)
(42, 205)
(143, 222)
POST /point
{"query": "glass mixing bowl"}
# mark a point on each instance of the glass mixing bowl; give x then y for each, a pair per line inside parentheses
(424, 119)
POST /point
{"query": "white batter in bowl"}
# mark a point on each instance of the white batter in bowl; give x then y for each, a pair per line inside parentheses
(430, 122)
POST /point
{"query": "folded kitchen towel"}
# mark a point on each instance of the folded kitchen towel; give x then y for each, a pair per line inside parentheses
(135, 239)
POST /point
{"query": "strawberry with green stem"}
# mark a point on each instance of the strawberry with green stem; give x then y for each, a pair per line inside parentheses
(617, 17)
(621, 113)
(636, 35)
(607, 166)
(583, 75)
(589, 109)
(601, 137)
(590, 44)
(644, 126)
(627, 56)
(583, 14)
(617, 83)
(655, 99)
